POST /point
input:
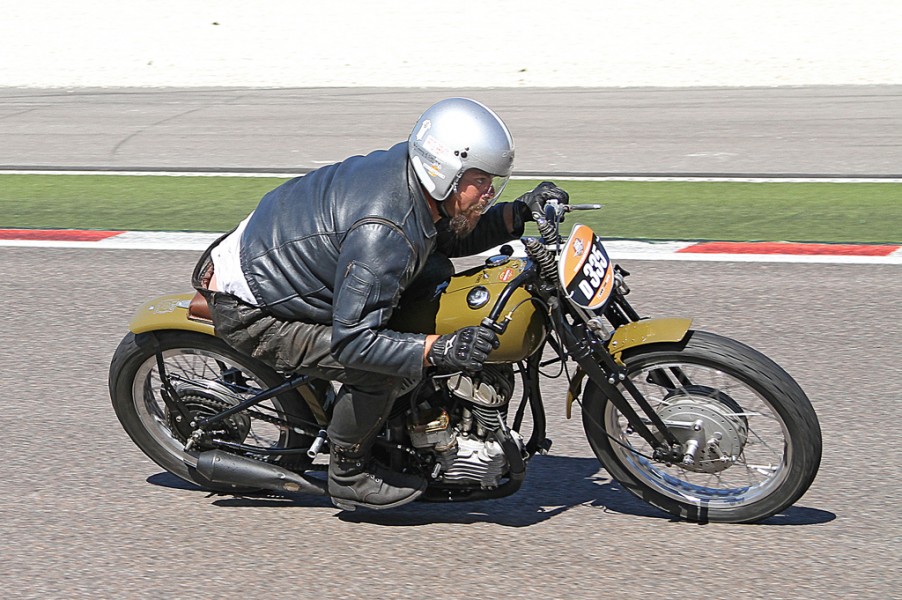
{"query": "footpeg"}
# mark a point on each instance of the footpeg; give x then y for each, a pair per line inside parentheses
(317, 444)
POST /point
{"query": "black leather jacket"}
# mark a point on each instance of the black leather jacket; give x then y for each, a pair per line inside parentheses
(339, 245)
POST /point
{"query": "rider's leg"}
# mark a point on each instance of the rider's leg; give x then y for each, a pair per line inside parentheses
(355, 479)
(359, 412)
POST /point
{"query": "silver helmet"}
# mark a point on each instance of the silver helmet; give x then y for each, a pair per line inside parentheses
(455, 135)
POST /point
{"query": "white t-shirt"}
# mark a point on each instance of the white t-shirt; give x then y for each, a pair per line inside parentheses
(227, 265)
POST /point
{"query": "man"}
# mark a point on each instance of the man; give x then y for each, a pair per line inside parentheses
(307, 283)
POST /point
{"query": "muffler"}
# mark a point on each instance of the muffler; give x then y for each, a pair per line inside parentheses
(230, 469)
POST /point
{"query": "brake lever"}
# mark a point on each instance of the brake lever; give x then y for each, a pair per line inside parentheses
(554, 216)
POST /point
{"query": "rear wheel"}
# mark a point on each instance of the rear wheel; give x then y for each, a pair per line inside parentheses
(752, 435)
(209, 377)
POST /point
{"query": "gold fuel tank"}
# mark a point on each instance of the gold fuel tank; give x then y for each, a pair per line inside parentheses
(467, 300)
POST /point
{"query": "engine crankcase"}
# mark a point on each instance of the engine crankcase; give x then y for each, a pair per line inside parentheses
(475, 460)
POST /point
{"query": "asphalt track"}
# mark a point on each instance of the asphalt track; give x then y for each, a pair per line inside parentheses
(84, 514)
(828, 130)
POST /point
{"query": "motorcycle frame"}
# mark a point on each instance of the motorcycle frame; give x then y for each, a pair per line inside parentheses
(579, 341)
(528, 373)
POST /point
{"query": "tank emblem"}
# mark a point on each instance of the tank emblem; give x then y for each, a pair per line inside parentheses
(478, 297)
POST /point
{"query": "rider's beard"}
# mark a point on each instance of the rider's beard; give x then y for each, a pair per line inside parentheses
(463, 223)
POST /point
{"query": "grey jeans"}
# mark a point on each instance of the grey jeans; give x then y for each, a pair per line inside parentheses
(364, 400)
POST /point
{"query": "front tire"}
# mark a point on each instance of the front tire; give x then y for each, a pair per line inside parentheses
(212, 376)
(761, 442)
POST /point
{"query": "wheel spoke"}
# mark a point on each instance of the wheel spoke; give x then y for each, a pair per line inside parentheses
(199, 374)
(726, 404)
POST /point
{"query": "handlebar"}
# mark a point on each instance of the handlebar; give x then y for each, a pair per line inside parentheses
(554, 211)
(554, 214)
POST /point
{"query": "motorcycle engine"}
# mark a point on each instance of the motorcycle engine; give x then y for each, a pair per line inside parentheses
(463, 443)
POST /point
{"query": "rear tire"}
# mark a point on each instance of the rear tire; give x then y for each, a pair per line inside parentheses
(745, 398)
(199, 360)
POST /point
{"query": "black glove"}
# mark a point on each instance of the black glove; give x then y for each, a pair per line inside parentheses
(464, 350)
(531, 205)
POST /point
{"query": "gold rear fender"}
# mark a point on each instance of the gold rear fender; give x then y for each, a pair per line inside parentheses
(168, 312)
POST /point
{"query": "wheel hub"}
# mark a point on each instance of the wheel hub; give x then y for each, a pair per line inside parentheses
(202, 403)
(710, 426)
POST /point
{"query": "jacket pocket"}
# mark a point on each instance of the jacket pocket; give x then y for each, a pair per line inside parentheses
(360, 285)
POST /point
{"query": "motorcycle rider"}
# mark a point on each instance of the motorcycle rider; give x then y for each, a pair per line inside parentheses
(308, 282)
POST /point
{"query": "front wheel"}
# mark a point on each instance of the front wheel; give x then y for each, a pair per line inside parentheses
(209, 376)
(751, 436)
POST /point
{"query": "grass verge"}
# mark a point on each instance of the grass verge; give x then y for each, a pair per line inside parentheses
(822, 212)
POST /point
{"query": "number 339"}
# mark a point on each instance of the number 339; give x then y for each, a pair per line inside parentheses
(594, 270)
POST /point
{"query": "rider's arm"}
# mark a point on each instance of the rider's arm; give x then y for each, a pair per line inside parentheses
(497, 226)
(375, 265)
(430, 339)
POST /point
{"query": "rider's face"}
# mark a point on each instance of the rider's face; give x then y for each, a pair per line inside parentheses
(465, 204)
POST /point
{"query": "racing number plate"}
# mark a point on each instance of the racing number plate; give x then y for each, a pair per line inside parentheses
(585, 271)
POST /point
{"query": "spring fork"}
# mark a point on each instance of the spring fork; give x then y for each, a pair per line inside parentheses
(543, 258)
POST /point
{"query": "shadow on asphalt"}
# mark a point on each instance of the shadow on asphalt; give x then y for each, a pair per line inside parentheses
(553, 485)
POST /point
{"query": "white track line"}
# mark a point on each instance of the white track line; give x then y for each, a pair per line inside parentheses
(617, 249)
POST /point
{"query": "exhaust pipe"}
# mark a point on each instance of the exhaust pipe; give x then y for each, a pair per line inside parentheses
(222, 467)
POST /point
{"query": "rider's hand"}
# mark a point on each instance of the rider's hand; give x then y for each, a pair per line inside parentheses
(464, 350)
(531, 205)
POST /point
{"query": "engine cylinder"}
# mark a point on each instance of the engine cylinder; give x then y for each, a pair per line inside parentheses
(489, 419)
(492, 388)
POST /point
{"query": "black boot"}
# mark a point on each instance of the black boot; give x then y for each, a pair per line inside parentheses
(355, 480)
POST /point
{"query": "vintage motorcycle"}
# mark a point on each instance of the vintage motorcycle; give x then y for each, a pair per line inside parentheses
(698, 425)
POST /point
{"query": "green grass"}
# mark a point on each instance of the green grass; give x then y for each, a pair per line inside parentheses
(824, 212)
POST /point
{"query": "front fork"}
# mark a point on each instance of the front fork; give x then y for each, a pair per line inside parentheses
(590, 354)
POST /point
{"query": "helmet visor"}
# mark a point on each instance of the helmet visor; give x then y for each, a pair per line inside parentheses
(486, 185)
(498, 184)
